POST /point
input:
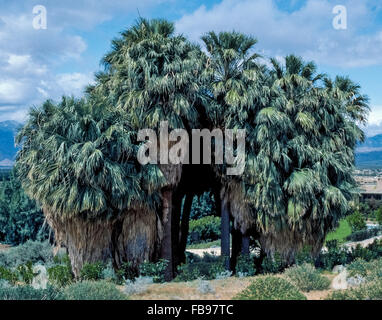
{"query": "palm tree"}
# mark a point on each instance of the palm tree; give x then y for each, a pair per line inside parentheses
(237, 93)
(154, 76)
(78, 161)
(304, 159)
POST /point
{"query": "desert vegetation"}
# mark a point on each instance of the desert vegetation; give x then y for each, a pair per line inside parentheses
(124, 223)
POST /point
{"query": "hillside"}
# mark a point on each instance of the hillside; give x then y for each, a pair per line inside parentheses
(369, 154)
(7, 146)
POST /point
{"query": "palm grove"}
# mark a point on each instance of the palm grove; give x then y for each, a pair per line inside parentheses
(79, 157)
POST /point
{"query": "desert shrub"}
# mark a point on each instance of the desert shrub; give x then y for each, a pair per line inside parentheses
(245, 266)
(205, 229)
(204, 287)
(8, 275)
(5, 284)
(364, 234)
(138, 285)
(108, 273)
(30, 251)
(370, 271)
(368, 291)
(93, 290)
(272, 264)
(29, 293)
(154, 270)
(270, 288)
(223, 275)
(92, 271)
(306, 278)
(208, 267)
(60, 274)
(357, 221)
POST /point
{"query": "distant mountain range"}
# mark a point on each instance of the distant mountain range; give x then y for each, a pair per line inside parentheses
(369, 154)
(8, 149)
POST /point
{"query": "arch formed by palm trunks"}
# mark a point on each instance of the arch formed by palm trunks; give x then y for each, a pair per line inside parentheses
(78, 157)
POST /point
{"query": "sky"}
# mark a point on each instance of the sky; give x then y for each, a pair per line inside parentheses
(38, 63)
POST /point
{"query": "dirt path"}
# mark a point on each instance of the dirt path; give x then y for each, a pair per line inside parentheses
(363, 243)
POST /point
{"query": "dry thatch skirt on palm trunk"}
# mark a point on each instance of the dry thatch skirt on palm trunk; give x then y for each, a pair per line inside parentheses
(134, 237)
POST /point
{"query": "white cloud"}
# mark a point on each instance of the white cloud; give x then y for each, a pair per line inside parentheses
(74, 83)
(375, 117)
(12, 91)
(307, 31)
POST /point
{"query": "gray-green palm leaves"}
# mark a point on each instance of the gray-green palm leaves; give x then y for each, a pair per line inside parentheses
(236, 78)
(305, 153)
(154, 76)
(79, 160)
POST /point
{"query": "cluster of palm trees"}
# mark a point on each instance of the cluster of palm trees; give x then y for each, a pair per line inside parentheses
(79, 157)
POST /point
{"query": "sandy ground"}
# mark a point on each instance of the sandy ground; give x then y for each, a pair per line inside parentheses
(224, 289)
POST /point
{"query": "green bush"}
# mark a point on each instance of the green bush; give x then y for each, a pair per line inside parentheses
(203, 206)
(270, 288)
(208, 267)
(272, 264)
(304, 256)
(92, 271)
(306, 278)
(126, 272)
(205, 229)
(369, 291)
(245, 266)
(153, 270)
(335, 255)
(29, 293)
(93, 290)
(60, 275)
(357, 221)
(378, 215)
(30, 251)
(8, 275)
(25, 272)
(364, 234)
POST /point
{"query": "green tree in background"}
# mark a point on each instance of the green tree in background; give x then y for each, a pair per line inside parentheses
(21, 219)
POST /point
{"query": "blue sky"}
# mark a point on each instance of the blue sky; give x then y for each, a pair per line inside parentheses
(40, 64)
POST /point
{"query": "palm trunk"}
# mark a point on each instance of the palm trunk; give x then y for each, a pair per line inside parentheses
(137, 238)
(166, 248)
(175, 231)
(184, 228)
(87, 241)
(236, 247)
(225, 232)
(245, 245)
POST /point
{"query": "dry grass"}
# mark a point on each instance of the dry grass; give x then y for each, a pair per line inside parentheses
(225, 289)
